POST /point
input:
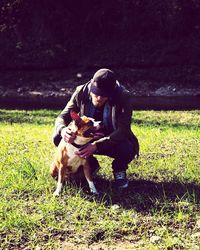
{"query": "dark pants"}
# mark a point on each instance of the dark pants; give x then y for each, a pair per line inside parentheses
(122, 154)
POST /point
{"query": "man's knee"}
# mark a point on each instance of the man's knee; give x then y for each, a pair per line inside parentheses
(126, 151)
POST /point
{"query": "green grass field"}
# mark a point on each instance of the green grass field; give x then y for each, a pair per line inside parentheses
(160, 210)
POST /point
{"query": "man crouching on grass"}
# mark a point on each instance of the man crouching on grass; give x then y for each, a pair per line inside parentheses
(105, 100)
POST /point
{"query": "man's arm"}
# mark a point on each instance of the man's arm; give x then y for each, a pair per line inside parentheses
(64, 117)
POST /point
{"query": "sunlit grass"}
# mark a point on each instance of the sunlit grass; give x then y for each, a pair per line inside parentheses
(160, 210)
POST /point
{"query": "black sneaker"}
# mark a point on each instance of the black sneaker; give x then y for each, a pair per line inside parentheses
(120, 179)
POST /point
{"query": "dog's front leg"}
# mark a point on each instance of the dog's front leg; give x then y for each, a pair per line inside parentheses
(61, 180)
(88, 176)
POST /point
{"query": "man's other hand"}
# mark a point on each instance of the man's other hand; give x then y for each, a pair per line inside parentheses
(87, 151)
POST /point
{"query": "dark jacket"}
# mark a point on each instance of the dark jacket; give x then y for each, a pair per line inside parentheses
(117, 115)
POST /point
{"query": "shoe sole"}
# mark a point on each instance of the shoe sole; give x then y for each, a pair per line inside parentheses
(124, 186)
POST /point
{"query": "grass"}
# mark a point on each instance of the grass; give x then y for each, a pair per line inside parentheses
(160, 210)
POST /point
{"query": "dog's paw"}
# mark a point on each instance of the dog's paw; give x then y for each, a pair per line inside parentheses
(56, 193)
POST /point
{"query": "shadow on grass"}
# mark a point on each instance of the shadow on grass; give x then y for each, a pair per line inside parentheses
(143, 195)
(32, 117)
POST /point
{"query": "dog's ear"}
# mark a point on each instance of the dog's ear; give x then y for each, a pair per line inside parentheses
(75, 117)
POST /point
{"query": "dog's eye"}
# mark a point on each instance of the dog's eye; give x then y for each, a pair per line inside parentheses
(87, 133)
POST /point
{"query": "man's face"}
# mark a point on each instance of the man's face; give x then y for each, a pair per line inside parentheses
(98, 101)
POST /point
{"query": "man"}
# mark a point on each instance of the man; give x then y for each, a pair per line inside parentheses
(104, 99)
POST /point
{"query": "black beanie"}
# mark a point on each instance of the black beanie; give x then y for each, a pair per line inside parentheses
(103, 83)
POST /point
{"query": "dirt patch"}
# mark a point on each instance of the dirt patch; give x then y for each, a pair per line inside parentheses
(125, 245)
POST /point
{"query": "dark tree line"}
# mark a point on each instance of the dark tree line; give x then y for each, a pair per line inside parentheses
(52, 33)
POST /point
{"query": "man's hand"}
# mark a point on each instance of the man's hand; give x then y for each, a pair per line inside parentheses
(85, 152)
(68, 135)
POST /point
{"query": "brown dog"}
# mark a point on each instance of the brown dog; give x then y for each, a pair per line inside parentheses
(66, 161)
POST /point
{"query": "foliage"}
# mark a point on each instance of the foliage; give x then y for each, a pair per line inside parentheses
(160, 210)
(170, 18)
(44, 34)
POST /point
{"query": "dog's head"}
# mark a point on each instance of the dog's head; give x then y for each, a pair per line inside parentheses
(84, 126)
